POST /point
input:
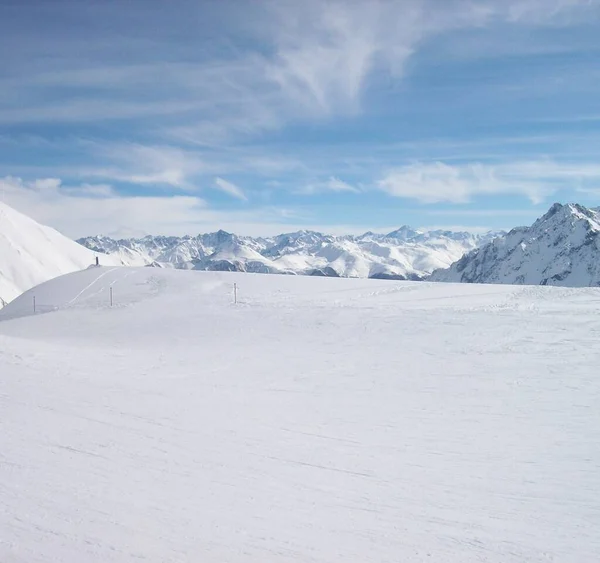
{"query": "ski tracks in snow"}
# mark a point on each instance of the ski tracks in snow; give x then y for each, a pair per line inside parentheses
(104, 287)
(90, 285)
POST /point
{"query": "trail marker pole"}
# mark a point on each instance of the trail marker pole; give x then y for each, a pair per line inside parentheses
(111, 296)
(34, 303)
(235, 293)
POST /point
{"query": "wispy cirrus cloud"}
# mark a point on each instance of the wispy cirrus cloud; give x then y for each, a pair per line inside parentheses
(96, 209)
(296, 99)
(332, 184)
(91, 210)
(49, 188)
(230, 189)
(300, 60)
(148, 165)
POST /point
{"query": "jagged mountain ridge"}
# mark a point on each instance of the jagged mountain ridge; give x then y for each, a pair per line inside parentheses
(402, 254)
(561, 248)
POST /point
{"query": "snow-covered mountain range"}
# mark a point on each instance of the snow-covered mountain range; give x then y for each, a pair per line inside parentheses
(402, 254)
(561, 248)
(31, 253)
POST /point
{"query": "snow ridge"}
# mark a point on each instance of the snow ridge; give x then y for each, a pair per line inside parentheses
(31, 253)
(561, 248)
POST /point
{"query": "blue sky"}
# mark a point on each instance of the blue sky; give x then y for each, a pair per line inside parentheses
(145, 116)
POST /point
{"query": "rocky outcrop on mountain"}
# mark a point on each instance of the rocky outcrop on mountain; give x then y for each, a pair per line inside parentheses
(561, 248)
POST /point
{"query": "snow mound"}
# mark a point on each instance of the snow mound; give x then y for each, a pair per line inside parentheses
(31, 253)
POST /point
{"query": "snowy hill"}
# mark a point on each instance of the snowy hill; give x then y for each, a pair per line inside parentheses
(401, 254)
(561, 248)
(322, 420)
(31, 254)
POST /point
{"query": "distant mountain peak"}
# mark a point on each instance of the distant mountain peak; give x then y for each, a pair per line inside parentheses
(404, 233)
(562, 247)
(404, 253)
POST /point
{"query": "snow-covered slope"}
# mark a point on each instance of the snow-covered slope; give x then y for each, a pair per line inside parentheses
(31, 253)
(319, 420)
(404, 253)
(561, 248)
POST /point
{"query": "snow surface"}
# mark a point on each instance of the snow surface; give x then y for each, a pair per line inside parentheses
(318, 420)
(31, 253)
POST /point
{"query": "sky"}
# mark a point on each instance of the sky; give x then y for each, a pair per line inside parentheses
(132, 117)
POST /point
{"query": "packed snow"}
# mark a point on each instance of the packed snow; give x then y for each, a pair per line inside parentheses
(316, 420)
(31, 253)
(561, 248)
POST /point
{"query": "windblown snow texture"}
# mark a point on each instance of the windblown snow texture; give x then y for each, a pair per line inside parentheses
(319, 419)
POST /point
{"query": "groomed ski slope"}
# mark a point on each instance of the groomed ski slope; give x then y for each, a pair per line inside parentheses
(318, 420)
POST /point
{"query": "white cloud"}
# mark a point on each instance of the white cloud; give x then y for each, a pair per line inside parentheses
(300, 59)
(332, 184)
(78, 211)
(147, 165)
(337, 185)
(230, 189)
(325, 50)
(90, 190)
(49, 188)
(49, 202)
(439, 182)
